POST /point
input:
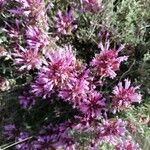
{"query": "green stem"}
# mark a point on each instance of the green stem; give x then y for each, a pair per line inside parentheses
(16, 143)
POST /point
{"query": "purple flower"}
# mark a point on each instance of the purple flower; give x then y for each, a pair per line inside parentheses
(60, 66)
(27, 100)
(13, 30)
(25, 3)
(34, 11)
(127, 145)
(2, 3)
(55, 136)
(125, 96)
(108, 131)
(65, 22)
(27, 59)
(107, 62)
(76, 89)
(112, 130)
(35, 38)
(93, 145)
(10, 131)
(21, 9)
(30, 3)
(92, 5)
(93, 105)
(25, 144)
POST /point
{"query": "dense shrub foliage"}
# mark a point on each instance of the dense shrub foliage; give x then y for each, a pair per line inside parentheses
(73, 74)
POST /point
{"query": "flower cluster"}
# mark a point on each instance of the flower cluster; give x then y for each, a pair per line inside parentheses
(107, 62)
(65, 23)
(92, 5)
(109, 131)
(55, 137)
(27, 100)
(49, 137)
(59, 67)
(76, 89)
(27, 59)
(34, 10)
(10, 131)
(73, 82)
(93, 106)
(35, 38)
(30, 29)
(23, 139)
(127, 145)
(112, 130)
(13, 30)
(125, 96)
(57, 75)
(2, 3)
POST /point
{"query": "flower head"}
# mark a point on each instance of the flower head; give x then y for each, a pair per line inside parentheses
(93, 105)
(92, 5)
(24, 145)
(10, 131)
(27, 100)
(127, 145)
(65, 22)
(60, 66)
(107, 62)
(21, 8)
(54, 136)
(76, 89)
(32, 5)
(13, 30)
(112, 130)
(2, 3)
(36, 39)
(27, 59)
(92, 146)
(125, 95)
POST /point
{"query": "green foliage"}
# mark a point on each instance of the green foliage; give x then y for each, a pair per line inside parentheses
(141, 118)
(128, 19)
